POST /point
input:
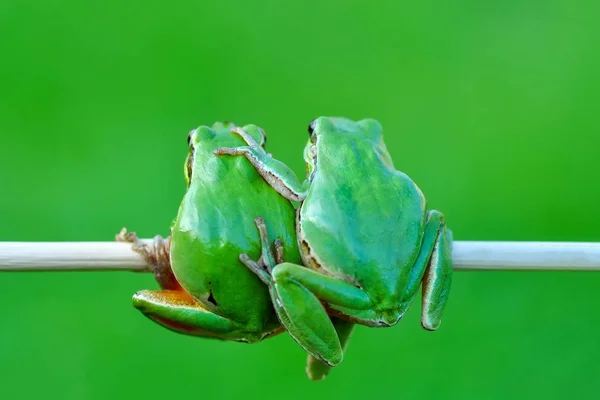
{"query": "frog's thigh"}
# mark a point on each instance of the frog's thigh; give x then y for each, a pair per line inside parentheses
(331, 290)
(437, 281)
(299, 291)
(180, 312)
(317, 370)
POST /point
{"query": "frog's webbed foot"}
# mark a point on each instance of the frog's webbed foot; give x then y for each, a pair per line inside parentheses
(274, 172)
(270, 256)
(127, 237)
(246, 136)
(256, 155)
(252, 145)
(317, 370)
(156, 255)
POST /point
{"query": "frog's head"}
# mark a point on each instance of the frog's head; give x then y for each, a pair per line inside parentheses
(365, 129)
(206, 139)
(340, 130)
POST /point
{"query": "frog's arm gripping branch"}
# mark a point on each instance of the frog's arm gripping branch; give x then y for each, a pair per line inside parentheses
(466, 256)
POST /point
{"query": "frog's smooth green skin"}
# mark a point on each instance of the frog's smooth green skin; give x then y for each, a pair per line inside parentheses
(364, 232)
(206, 290)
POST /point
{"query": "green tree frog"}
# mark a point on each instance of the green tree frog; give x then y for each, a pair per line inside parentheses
(365, 235)
(206, 291)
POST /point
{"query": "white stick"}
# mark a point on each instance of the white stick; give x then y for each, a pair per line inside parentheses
(544, 256)
(69, 256)
(114, 256)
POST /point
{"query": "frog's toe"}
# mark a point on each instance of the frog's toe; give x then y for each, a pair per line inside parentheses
(256, 268)
(279, 252)
(247, 136)
(126, 237)
(232, 151)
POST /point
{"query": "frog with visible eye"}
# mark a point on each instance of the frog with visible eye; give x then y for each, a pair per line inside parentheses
(206, 290)
(365, 235)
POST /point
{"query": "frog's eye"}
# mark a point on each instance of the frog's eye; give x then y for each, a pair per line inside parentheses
(264, 135)
(311, 127)
(190, 136)
(188, 169)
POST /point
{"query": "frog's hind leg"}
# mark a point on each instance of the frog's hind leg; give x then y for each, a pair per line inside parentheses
(307, 322)
(180, 312)
(433, 270)
(334, 332)
(298, 295)
(437, 281)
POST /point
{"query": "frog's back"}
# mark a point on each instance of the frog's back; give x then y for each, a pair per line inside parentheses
(216, 221)
(367, 216)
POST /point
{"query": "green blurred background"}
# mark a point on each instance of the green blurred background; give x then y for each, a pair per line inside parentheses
(491, 107)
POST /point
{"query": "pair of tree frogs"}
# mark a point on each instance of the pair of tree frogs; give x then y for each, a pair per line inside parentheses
(364, 244)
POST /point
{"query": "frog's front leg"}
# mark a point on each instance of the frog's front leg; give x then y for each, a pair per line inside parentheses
(156, 255)
(432, 270)
(274, 172)
(315, 368)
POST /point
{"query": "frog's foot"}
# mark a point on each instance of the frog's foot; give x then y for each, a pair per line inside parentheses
(274, 172)
(270, 256)
(252, 145)
(126, 237)
(246, 136)
(317, 370)
(156, 255)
